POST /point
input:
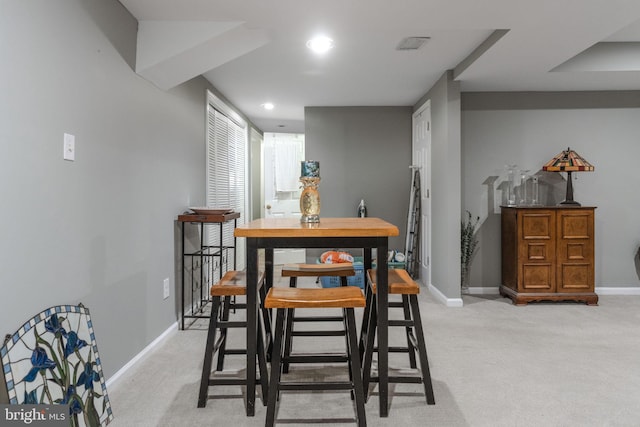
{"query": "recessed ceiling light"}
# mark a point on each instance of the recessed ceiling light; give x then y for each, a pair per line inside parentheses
(268, 106)
(320, 44)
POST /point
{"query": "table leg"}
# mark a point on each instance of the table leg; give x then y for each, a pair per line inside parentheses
(268, 266)
(252, 323)
(383, 324)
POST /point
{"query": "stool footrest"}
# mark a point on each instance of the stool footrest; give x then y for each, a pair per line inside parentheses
(317, 333)
(399, 380)
(395, 349)
(405, 323)
(235, 351)
(316, 358)
(316, 386)
(237, 305)
(225, 324)
(230, 381)
(318, 319)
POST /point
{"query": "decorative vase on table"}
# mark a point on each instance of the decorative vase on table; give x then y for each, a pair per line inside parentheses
(310, 197)
(512, 172)
(523, 192)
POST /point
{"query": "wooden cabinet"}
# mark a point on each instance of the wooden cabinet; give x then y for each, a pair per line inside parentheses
(548, 254)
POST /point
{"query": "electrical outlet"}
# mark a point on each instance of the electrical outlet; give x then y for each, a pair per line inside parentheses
(166, 290)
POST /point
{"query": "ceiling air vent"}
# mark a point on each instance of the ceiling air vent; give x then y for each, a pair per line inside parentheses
(412, 43)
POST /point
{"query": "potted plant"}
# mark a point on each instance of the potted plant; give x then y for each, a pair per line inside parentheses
(468, 244)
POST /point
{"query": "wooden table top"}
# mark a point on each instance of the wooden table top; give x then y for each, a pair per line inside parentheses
(327, 227)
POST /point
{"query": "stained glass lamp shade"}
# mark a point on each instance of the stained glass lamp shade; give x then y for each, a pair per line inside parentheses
(568, 161)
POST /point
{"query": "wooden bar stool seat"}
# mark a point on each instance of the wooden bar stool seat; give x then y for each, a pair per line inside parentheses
(293, 271)
(284, 300)
(400, 283)
(223, 301)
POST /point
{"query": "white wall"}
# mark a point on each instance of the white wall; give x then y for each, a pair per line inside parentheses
(528, 129)
(364, 153)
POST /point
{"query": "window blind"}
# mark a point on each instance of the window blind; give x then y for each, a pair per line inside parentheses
(226, 178)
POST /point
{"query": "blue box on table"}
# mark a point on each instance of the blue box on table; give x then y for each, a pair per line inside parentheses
(358, 279)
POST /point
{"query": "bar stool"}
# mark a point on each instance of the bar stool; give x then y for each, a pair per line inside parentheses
(283, 299)
(223, 300)
(400, 283)
(293, 271)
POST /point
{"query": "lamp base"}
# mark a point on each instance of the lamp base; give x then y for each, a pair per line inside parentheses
(305, 219)
(568, 199)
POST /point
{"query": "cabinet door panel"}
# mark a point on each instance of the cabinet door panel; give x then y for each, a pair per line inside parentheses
(537, 277)
(536, 250)
(576, 277)
(537, 225)
(575, 251)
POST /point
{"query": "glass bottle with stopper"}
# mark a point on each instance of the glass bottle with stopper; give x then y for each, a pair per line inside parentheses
(362, 209)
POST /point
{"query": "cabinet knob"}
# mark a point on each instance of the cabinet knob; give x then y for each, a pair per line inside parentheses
(268, 206)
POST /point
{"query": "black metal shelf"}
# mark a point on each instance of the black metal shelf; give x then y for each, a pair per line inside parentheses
(199, 266)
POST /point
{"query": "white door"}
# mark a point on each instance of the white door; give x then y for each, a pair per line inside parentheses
(283, 153)
(421, 157)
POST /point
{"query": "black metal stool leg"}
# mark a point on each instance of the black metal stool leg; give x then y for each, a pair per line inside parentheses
(288, 334)
(266, 316)
(208, 352)
(410, 347)
(368, 293)
(226, 308)
(274, 383)
(262, 365)
(422, 351)
(369, 346)
(354, 364)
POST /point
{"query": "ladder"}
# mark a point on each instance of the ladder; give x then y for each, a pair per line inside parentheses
(411, 251)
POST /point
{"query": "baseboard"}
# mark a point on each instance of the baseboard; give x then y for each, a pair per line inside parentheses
(114, 378)
(490, 290)
(600, 290)
(605, 290)
(449, 302)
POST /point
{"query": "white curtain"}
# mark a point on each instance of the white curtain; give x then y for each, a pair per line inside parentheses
(287, 165)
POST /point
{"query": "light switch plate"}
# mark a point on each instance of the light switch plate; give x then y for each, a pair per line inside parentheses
(69, 147)
(166, 290)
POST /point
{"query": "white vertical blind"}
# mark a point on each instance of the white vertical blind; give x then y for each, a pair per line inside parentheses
(226, 174)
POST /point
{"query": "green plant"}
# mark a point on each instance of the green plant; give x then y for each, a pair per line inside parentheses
(468, 244)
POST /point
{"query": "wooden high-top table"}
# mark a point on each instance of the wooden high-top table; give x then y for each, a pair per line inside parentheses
(285, 233)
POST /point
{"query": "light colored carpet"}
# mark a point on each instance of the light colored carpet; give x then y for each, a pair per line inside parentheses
(492, 364)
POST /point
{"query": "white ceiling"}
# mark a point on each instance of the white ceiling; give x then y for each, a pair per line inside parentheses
(253, 51)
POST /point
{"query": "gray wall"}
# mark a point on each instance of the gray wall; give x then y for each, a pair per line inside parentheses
(364, 153)
(528, 129)
(444, 98)
(99, 230)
